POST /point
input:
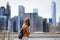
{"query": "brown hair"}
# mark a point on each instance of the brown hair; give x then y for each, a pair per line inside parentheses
(27, 21)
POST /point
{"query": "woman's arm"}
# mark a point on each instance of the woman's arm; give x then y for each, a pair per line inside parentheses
(27, 31)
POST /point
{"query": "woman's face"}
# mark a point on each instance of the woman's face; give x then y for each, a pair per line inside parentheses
(26, 21)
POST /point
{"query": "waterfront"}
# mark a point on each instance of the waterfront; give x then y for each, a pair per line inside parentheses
(37, 39)
(33, 36)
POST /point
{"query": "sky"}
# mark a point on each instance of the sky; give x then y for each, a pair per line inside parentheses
(44, 7)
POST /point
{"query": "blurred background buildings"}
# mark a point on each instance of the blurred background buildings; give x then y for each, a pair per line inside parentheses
(37, 23)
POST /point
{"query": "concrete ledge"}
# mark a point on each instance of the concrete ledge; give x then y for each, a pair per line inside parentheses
(38, 35)
(1, 34)
(32, 35)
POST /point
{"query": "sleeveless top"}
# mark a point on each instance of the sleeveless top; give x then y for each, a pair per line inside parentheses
(26, 30)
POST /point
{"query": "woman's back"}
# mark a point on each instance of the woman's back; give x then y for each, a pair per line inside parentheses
(26, 31)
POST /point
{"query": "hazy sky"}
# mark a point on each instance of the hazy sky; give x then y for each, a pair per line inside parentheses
(44, 7)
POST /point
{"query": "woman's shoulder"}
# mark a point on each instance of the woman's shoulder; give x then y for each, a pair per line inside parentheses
(25, 26)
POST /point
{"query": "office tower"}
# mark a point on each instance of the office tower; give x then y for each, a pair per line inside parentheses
(19, 28)
(44, 24)
(2, 11)
(59, 19)
(33, 21)
(35, 10)
(50, 20)
(7, 11)
(9, 24)
(3, 23)
(48, 27)
(21, 11)
(21, 14)
(40, 24)
(59, 24)
(14, 24)
(54, 13)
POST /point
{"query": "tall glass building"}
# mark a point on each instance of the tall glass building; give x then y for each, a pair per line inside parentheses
(40, 24)
(2, 10)
(21, 11)
(35, 10)
(50, 20)
(44, 24)
(14, 24)
(3, 20)
(59, 25)
(7, 11)
(21, 14)
(54, 13)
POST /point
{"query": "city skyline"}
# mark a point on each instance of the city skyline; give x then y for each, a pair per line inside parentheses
(43, 6)
(36, 22)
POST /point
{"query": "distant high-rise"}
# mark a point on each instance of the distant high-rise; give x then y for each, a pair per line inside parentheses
(59, 19)
(44, 24)
(3, 23)
(59, 24)
(35, 10)
(21, 14)
(48, 27)
(54, 13)
(2, 10)
(7, 11)
(14, 24)
(40, 24)
(21, 11)
(50, 20)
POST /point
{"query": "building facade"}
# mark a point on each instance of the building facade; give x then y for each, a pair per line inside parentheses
(40, 24)
(21, 14)
(2, 11)
(50, 20)
(14, 24)
(59, 25)
(54, 13)
(35, 10)
(44, 24)
(3, 20)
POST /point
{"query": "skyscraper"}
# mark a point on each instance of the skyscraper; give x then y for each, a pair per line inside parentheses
(21, 14)
(59, 25)
(54, 13)
(3, 23)
(21, 11)
(7, 13)
(50, 20)
(35, 10)
(14, 24)
(2, 10)
(44, 24)
(40, 24)
(59, 19)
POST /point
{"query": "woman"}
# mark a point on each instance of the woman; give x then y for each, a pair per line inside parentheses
(25, 27)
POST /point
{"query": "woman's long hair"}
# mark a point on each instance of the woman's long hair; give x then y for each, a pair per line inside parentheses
(27, 21)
